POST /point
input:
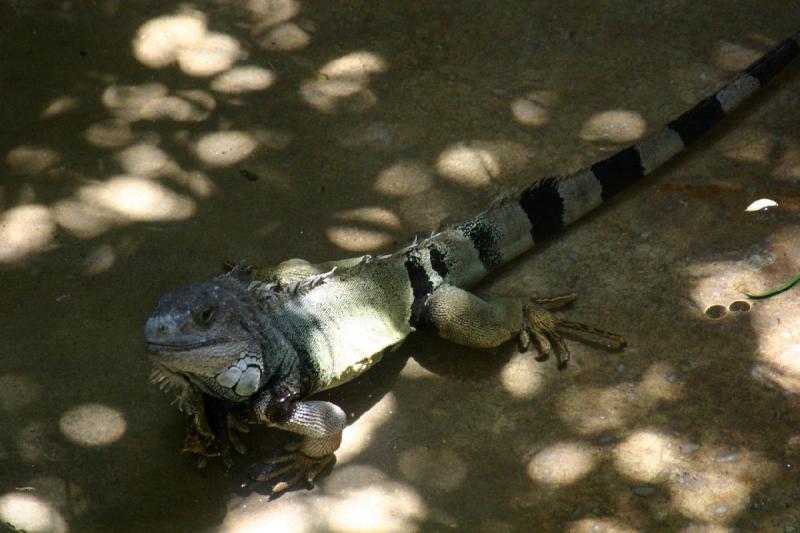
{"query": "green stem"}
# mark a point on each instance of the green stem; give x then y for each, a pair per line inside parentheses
(786, 286)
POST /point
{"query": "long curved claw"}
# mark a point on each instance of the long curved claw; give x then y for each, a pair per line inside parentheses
(545, 329)
(303, 467)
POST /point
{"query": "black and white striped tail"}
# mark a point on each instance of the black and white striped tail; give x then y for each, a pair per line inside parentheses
(555, 203)
(464, 254)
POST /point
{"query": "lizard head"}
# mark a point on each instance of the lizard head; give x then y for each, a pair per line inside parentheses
(201, 334)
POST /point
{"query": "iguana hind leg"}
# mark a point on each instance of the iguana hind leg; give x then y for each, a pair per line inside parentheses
(464, 318)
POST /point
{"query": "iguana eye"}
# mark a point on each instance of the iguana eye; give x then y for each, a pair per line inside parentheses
(205, 316)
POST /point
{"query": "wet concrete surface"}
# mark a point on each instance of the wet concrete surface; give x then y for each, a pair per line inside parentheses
(143, 145)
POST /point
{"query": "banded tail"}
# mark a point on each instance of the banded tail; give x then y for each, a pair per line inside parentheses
(463, 254)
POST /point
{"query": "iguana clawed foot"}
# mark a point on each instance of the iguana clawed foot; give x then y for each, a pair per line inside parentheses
(544, 329)
(304, 467)
(201, 440)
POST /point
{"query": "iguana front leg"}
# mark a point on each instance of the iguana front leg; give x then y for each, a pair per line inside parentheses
(464, 318)
(321, 425)
(214, 431)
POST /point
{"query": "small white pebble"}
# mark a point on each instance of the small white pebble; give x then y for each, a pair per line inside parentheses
(763, 203)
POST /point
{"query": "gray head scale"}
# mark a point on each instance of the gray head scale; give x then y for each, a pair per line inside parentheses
(205, 333)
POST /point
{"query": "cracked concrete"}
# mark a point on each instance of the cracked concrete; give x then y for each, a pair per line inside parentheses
(146, 144)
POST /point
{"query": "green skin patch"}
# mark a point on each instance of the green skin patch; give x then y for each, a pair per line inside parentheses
(777, 290)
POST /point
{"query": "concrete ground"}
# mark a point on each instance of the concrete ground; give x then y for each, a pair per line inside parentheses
(143, 144)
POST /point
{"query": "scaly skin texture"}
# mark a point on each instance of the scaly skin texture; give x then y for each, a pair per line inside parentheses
(263, 340)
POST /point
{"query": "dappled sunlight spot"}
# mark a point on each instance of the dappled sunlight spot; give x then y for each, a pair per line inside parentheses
(356, 66)
(268, 13)
(93, 424)
(17, 392)
(783, 367)
(778, 349)
(661, 382)
(285, 37)
(533, 109)
(749, 146)
(27, 159)
(127, 100)
(241, 80)
(158, 42)
(137, 199)
(477, 163)
(83, 220)
(646, 455)
(26, 512)
(172, 108)
(440, 469)
(152, 101)
(365, 501)
(186, 40)
(355, 239)
(143, 159)
(200, 97)
(358, 436)
(360, 239)
(617, 125)
(99, 260)
(720, 281)
(59, 106)
(716, 486)
(592, 410)
(468, 166)
(522, 377)
(404, 178)
(280, 515)
(599, 525)
(215, 53)
(225, 148)
(735, 57)
(710, 496)
(375, 216)
(414, 370)
(25, 230)
(329, 96)
(342, 83)
(562, 463)
(111, 133)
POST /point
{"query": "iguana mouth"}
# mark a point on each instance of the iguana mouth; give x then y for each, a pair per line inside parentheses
(159, 346)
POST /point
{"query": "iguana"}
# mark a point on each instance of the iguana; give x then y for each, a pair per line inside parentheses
(265, 340)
